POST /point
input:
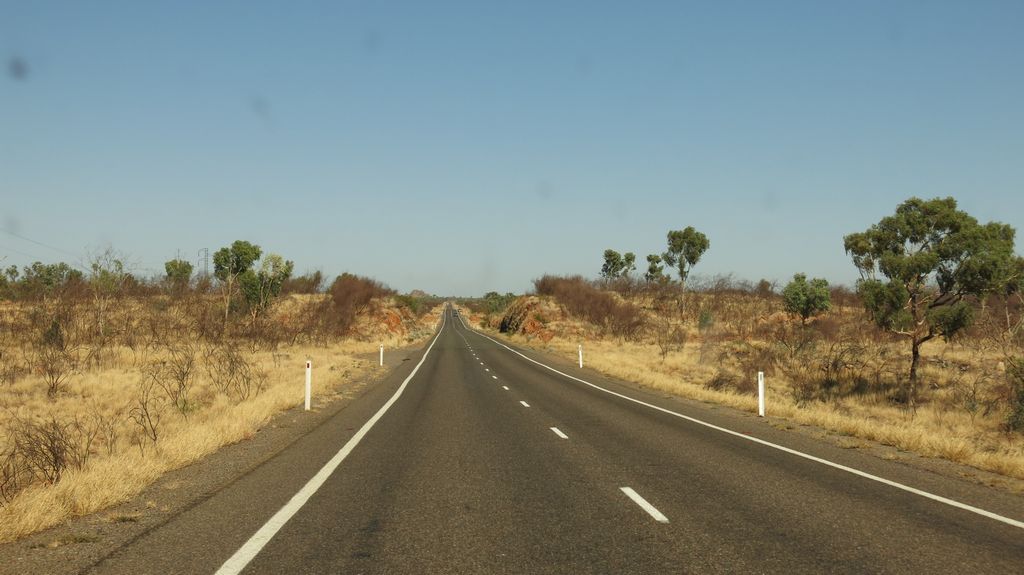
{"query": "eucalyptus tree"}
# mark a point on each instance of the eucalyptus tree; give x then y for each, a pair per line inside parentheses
(934, 258)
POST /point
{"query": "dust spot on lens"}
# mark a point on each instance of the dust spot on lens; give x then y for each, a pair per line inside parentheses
(17, 68)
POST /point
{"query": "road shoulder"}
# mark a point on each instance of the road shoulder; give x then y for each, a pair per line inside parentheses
(82, 542)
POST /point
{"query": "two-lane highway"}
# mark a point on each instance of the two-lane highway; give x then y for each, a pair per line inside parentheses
(478, 460)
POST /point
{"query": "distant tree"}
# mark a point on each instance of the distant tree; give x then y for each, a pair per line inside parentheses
(496, 302)
(108, 278)
(260, 287)
(655, 271)
(613, 264)
(617, 265)
(685, 248)
(305, 284)
(764, 289)
(628, 264)
(231, 262)
(933, 256)
(42, 281)
(179, 274)
(8, 279)
(806, 299)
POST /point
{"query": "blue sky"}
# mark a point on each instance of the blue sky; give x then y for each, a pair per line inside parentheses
(462, 147)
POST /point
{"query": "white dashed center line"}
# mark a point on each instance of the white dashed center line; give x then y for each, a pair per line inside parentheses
(525, 404)
(505, 387)
(650, 509)
(559, 433)
(494, 376)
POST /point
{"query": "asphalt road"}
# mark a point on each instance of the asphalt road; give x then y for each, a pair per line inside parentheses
(488, 463)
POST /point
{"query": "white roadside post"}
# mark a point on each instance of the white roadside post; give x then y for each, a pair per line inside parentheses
(309, 381)
(760, 394)
(581, 355)
(382, 355)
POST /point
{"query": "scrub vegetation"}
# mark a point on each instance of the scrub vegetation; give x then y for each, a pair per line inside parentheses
(108, 380)
(925, 354)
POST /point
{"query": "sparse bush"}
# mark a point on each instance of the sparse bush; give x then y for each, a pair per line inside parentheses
(803, 385)
(495, 303)
(721, 381)
(580, 298)
(10, 369)
(806, 299)
(706, 320)
(765, 289)
(669, 338)
(753, 357)
(411, 303)
(1015, 397)
(351, 295)
(842, 296)
(309, 283)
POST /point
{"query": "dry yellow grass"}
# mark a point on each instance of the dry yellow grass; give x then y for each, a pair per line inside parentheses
(933, 431)
(123, 460)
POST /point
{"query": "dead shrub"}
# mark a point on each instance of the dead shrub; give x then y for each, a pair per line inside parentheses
(803, 385)
(974, 394)
(231, 374)
(842, 367)
(175, 376)
(1013, 397)
(147, 412)
(796, 340)
(669, 338)
(13, 475)
(753, 357)
(107, 427)
(10, 369)
(53, 357)
(728, 381)
(838, 374)
(47, 448)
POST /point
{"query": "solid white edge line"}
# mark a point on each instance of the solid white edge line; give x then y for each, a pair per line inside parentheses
(559, 433)
(857, 472)
(237, 562)
(525, 404)
(650, 509)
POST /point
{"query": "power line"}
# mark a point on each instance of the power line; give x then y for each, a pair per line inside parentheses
(38, 243)
(19, 252)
